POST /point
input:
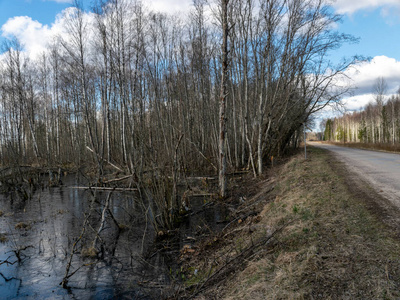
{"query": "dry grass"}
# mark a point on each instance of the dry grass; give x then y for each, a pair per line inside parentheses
(89, 252)
(335, 248)
(332, 246)
(389, 147)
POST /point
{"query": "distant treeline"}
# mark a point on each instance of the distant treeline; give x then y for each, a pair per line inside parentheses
(377, 123)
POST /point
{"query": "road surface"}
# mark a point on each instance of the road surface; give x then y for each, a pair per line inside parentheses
(380, 169)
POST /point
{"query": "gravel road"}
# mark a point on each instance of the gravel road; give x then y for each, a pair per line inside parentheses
(380, 170)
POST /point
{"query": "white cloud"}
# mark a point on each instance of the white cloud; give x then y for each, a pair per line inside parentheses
(349, 7)
(363, 77)
(356, 103)
(36, 37)
(32, 34)
(170, 6)
(365, 74)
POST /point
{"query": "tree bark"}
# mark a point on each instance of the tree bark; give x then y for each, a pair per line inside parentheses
(222, 104)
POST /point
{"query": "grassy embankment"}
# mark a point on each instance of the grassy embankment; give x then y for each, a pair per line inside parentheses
(312, 239)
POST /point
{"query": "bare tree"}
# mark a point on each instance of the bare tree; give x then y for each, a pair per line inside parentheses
(151, 94)
(223, 95)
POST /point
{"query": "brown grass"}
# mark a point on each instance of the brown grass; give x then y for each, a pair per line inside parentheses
(89, 252)
(389, 147)
(332, 245)
(335, 249)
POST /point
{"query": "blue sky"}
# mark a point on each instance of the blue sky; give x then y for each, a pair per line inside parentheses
(375, 22)
(379, 35)
(40, 10)
(377, 25)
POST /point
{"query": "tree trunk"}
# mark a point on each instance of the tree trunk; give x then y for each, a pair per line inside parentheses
(222, 105)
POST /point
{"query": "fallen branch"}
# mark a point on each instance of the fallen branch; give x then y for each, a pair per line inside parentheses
(110, 163)
(201, 153)
(103, 220)
(102, 188)
(202, 178)
(117, 179)
(64, 282)
(224, 270)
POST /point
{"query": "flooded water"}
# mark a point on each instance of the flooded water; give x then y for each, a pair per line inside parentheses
(37, 237)
(46, 227)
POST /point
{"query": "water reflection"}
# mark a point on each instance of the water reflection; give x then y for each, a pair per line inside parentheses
(54, 218)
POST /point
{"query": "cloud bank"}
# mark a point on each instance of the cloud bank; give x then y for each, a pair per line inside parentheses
(364, 77)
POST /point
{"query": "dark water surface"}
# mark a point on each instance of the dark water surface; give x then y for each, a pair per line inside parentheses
(54, 217)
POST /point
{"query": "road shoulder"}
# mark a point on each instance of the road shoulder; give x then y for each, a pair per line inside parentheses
(360, 189)
(319, 234)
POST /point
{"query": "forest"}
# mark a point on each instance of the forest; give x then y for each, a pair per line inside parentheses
(144, 110)
(161, 97)
(376, 123)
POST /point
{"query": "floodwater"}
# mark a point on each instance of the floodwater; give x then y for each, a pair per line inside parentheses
(54, 219)
(129, 266)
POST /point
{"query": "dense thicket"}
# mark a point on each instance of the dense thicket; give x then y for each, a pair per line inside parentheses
(141, 90)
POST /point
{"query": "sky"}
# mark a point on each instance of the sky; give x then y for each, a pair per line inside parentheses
(376, 23)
